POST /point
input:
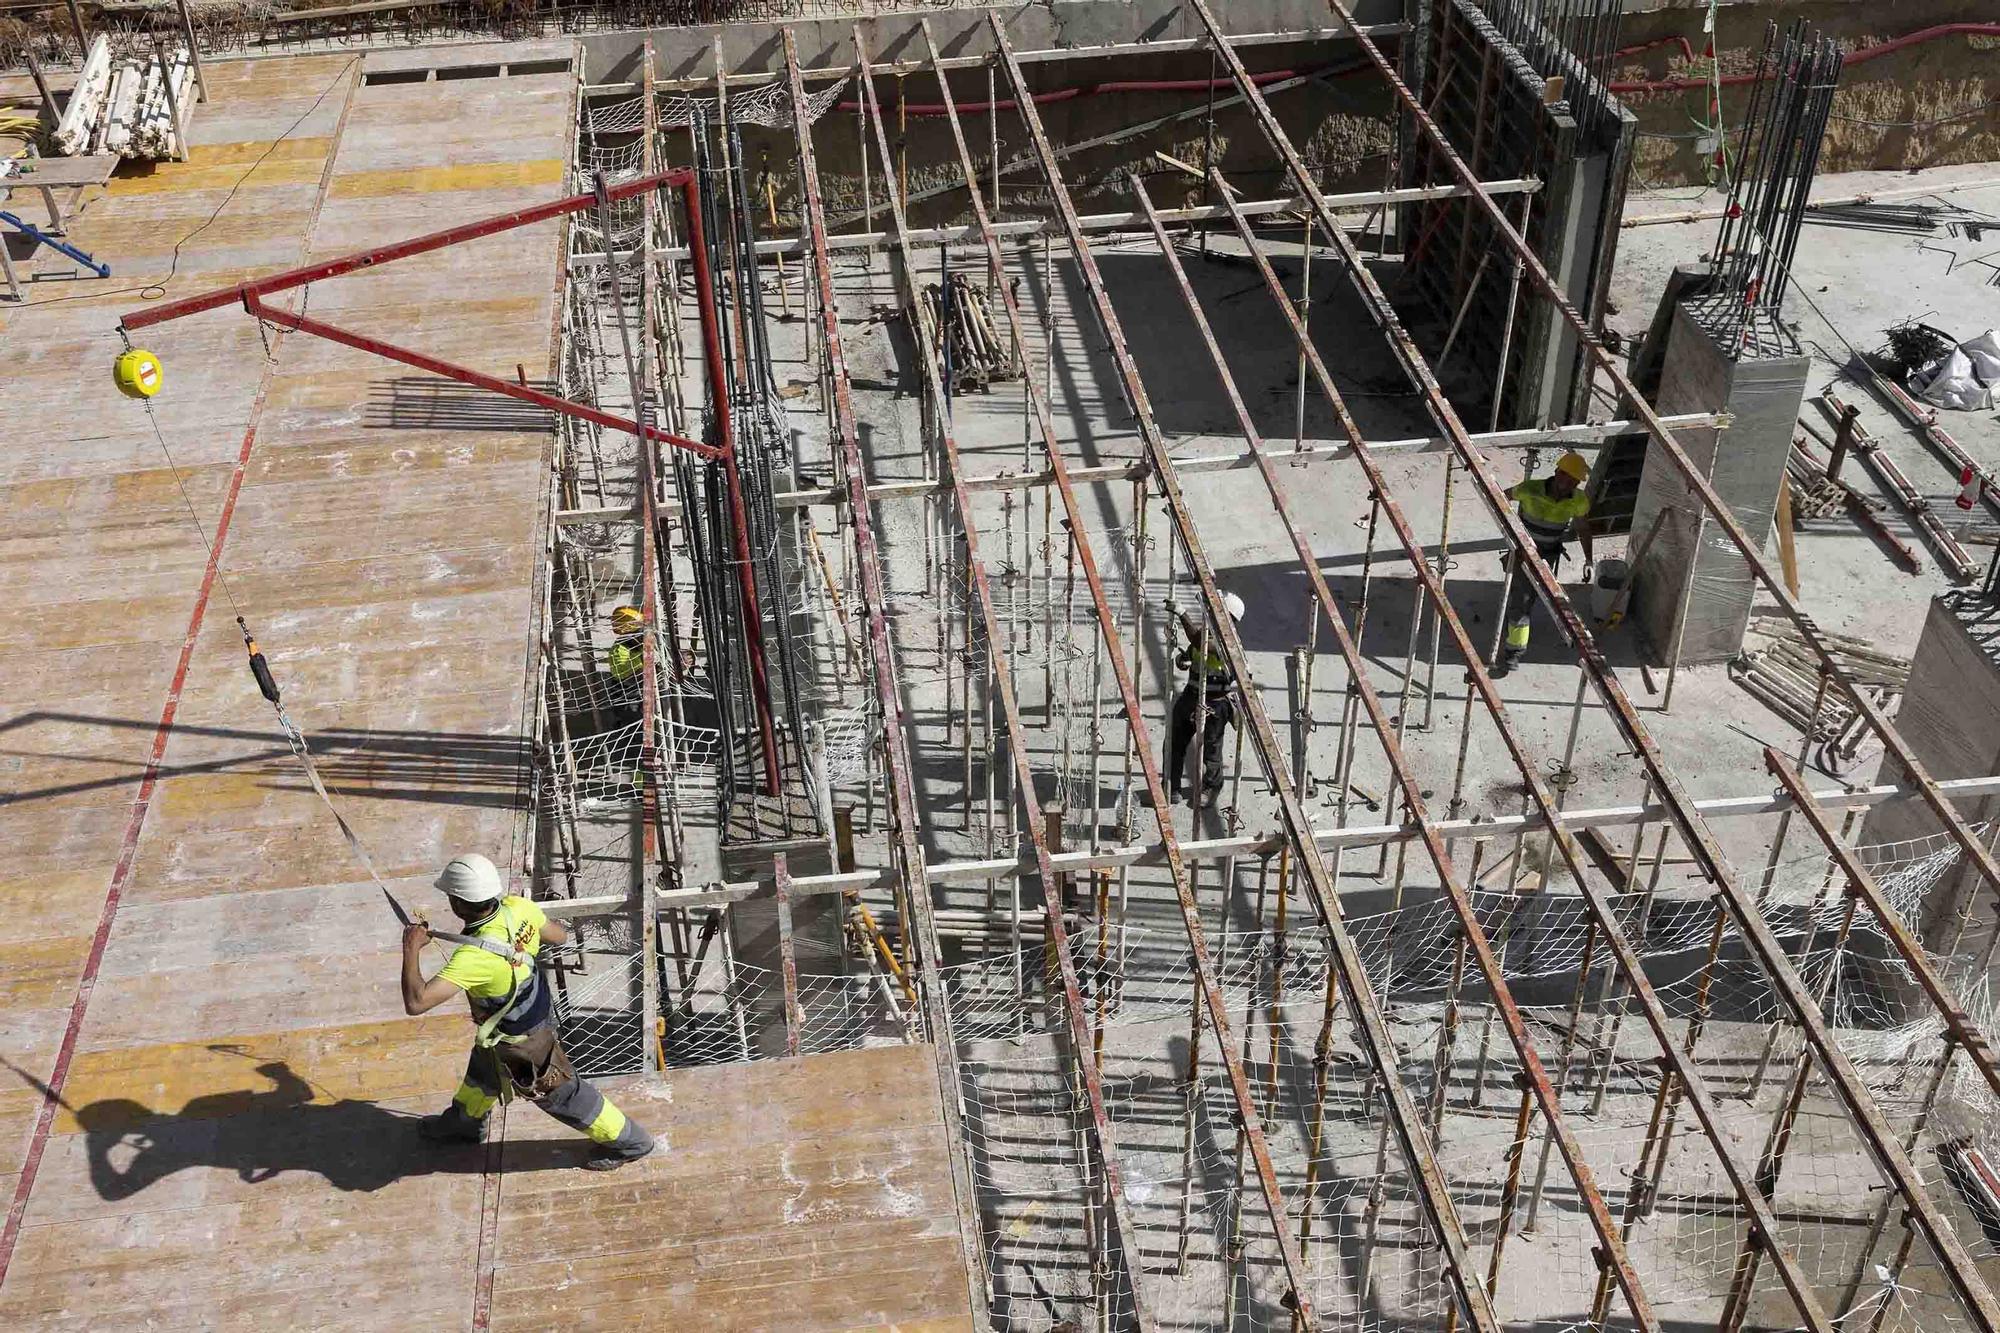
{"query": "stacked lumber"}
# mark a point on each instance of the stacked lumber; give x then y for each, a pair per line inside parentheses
(1814, 494)
(122, 104)
(1782, 672)
(972, 351)
(87, 102)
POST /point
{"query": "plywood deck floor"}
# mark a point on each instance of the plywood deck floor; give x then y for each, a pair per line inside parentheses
(195, 963)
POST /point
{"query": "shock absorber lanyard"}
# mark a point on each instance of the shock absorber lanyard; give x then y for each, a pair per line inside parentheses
(267, 685)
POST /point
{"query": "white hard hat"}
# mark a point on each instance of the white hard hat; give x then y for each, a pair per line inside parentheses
(470, 878)
(1234, 605)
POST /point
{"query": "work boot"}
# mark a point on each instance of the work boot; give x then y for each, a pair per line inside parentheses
(1506, 664)
(451, 1125)
(610, 1159)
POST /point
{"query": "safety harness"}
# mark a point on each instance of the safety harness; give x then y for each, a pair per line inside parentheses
(517, 1002)
(1549, 519)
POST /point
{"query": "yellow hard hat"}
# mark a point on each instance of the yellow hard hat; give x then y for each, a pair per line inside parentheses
(1574, 467)
(628, 620)
(138, 374)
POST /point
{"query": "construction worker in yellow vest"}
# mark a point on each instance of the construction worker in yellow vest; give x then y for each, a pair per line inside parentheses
(1212, 677)
(1553, 509)
(627, 656)
(515, 1051)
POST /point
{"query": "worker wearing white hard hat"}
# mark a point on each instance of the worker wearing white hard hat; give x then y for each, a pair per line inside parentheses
(1553, 509)
(1211, 677)
(515, 1049)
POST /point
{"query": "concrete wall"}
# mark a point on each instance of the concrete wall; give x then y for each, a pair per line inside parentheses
(1744, 463)
(757, 48)
(1950, 715)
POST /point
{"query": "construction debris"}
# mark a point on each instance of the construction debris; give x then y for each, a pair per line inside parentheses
(1780, 670)
(1819, 484)
(136, 104)
(974, 354)
(1964, 378)
(1916, 507)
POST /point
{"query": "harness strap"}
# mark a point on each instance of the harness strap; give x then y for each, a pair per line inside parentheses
(488, 1033)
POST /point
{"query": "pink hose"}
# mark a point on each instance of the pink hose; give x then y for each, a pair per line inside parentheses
(1861, 56)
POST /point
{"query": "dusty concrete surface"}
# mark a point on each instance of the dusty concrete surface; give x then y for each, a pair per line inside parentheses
(1852, 285)
(1713, 737)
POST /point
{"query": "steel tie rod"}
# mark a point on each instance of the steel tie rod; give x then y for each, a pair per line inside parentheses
(1697, 480)
(1374, 1034)
(1318, 878)
(1213, 998)
(906, 845)
(1628, 960)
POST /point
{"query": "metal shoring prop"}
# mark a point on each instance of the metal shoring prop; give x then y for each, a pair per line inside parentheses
(1895, 1165)
(1375, 1037)
(1712, 503)
(1122, 1233)
(906, 845)
(1535, 1080)
(1212, 997)
(1544, 800)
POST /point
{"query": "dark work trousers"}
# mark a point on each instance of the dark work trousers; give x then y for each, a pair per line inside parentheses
(537, 1067)
(1180, 730)
(1521, 601)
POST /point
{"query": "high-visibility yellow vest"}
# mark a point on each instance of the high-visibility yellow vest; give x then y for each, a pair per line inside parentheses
(626, 659)
(1548, 518)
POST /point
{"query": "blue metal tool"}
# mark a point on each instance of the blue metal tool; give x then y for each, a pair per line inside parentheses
(35, 233)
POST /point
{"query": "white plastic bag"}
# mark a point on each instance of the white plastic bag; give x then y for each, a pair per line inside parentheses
(1967, 380)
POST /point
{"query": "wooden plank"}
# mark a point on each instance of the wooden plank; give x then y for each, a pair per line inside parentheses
(788, 961)
(239, 1115)
(1788, 555)
(820, 1184)
(60, 173)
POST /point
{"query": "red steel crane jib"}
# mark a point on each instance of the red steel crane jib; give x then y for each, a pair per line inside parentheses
(251, 296)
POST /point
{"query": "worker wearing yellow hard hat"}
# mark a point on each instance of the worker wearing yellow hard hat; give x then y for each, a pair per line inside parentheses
(627, 657)
(1553, 509)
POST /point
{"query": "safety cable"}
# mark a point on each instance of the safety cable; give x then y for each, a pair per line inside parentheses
(267, 685)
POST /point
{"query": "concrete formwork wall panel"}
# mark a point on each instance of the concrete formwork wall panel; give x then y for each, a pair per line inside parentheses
(1950, 715)
(1494, 107)
(1744, 463)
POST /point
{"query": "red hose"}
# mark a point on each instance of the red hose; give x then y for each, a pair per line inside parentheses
(1687, 47)
(1111, 86)
(1681, 84)
(1861, 56)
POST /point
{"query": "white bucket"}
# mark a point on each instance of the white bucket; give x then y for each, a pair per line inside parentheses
(1610, 578)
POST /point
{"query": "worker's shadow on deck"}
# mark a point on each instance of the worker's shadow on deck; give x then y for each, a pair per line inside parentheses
(356, 1146)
